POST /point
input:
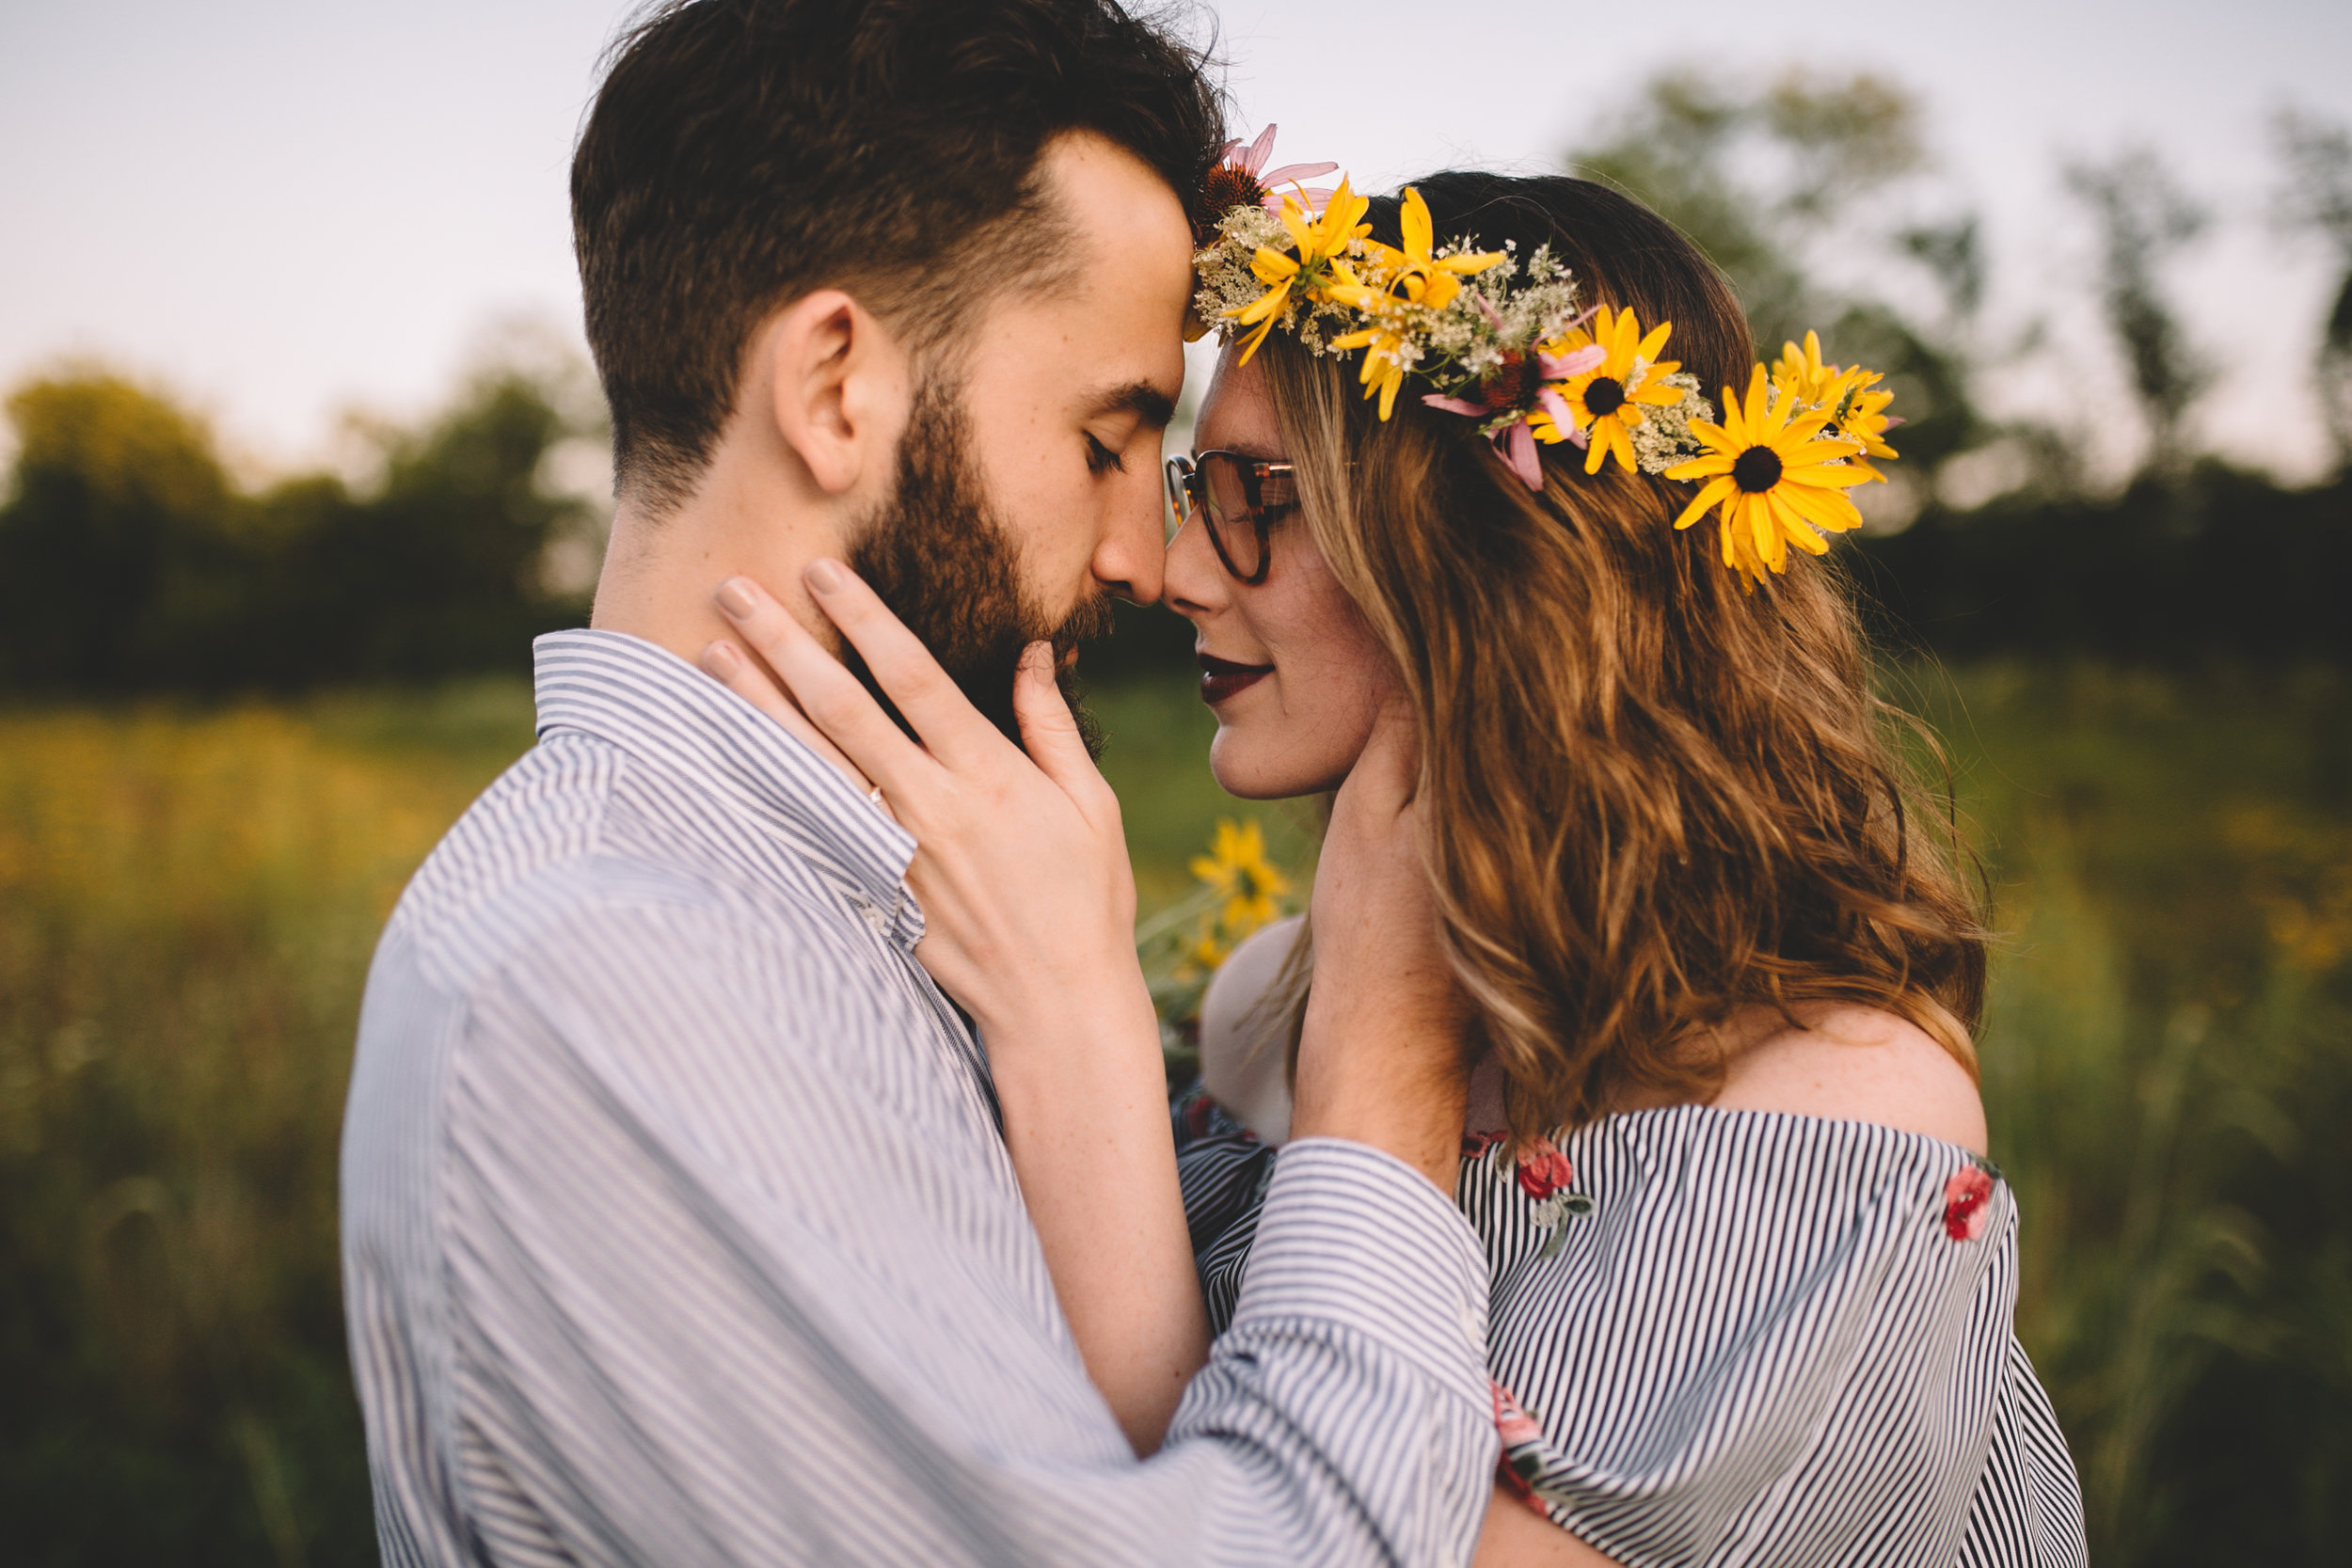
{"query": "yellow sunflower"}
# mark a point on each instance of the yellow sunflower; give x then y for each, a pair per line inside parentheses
(1204, 953)
(1237, 869)
(1606, 402)
(1777, 481)
(1322, 245)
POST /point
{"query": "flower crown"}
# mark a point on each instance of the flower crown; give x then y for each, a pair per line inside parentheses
(1503, 340)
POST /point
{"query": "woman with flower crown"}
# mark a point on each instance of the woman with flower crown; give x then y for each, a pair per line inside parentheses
(1711, 964)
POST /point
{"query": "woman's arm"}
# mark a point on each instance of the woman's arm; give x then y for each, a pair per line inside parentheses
(1516, 1536)
(1021, 867)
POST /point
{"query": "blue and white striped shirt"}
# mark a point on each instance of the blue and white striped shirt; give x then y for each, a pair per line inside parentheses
(678, 1228)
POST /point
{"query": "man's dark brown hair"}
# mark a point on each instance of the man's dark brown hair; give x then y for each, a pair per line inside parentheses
(744, 152)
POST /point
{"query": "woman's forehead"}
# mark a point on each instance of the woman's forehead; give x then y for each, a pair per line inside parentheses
(1237, 415)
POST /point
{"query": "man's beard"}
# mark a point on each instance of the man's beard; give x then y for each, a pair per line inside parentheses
(937, 555)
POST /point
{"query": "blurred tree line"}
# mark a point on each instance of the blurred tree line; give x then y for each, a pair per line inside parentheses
(131, 560)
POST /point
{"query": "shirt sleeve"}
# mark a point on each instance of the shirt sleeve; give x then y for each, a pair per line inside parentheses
(677, 1339)
(1223, 1169)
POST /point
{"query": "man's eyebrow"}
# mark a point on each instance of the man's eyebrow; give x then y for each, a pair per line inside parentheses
(1147, 402)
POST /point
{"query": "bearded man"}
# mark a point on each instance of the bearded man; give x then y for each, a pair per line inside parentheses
(678, 1223)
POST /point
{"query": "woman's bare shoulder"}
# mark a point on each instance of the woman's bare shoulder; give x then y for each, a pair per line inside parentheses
(1857, 1063)
(1243, 1052)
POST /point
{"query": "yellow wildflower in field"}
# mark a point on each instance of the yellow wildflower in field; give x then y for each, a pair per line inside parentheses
(1237, 869)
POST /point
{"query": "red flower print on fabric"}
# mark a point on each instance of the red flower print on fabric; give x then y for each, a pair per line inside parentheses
(1544, 1170)
(1967, 1203)
(1475, 1144)
(1522, 1458)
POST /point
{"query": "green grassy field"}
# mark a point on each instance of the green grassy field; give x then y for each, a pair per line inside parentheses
(188, 900)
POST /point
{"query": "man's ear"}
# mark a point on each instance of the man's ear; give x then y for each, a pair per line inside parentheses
(840, 387)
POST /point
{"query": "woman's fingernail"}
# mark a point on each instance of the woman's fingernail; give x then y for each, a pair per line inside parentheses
(737, 598)
(1038, 657)
(721, 660)
(822, 577)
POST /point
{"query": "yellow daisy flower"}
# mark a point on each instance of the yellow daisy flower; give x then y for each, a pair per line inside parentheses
(1605, 402)
(1802, 370)
(1412, 274)
(1236, 867)
(1204, 953)
(1856, 409)
(1777, 481)
(1322, 245)
(1383, 343)
(1860, 415)
(1416, 275)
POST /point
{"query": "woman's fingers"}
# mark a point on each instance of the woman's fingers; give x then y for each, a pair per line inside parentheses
(740, 673)
(1050, 734)
(950, 726)
(827, 693)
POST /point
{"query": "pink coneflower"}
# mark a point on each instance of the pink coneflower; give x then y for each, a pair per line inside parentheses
(1241, 179)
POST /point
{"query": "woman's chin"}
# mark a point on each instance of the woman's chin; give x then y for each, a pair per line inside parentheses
(1251, 772)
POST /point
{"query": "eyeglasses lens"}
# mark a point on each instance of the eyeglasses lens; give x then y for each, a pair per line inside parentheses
(1232, 512)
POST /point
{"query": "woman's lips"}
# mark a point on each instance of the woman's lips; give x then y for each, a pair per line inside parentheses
(1221, 677)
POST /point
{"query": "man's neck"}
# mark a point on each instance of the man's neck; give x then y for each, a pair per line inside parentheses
(659, 571)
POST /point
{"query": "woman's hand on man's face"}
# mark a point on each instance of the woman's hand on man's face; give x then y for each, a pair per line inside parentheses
(1021, 862)
(1380, 1059)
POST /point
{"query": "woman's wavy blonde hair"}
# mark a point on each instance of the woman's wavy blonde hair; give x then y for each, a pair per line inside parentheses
(1654, 799)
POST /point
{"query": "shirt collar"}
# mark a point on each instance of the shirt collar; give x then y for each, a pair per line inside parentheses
(654, 705)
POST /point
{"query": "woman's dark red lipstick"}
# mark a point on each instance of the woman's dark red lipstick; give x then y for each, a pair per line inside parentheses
(1221, 677)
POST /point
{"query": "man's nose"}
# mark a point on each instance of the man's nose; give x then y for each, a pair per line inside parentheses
(1192, 583)
(1131, 562)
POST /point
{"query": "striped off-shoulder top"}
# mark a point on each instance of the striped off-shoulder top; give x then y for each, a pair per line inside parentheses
(1738, 1337)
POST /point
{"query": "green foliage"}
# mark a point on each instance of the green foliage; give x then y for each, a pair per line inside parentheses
(119, 492)
(2217, 564)
(186, 910)
(129, 561)
(2165, 1072)
(2195, 560)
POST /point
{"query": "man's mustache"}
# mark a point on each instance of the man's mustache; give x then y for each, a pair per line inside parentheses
(1092, 621)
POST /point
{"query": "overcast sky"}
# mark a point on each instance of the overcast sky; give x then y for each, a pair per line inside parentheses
(283, 211)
